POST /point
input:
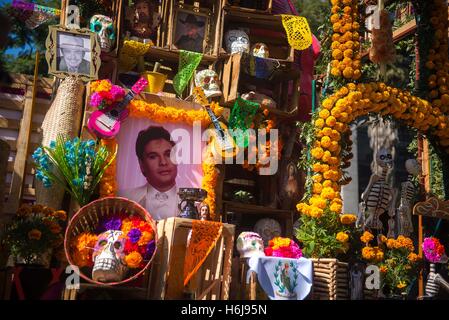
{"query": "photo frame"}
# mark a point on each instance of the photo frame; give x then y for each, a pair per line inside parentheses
(191, 28)
(73, 52)
(131, 184)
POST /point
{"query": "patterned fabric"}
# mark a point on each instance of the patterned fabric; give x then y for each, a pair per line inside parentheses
(242, 115)
(205, 235)
(282, 278)
(188, 62)
(298, 31)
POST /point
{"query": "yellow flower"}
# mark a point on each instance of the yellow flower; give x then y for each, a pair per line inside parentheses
(325, 142)
(317, 153)
(24, 210)
(348, 219)
(145, 238)
(383, 269)
(60, 214)
(324, 113)
(133, 260)
(342, 237)
(34, 234)
(383, 239)
(328, 193)
(319, 123)
(37, 208)
(366, 237)
(413, 257)
(55, 228)
(401, 285)
(335, 207)
(368, 253)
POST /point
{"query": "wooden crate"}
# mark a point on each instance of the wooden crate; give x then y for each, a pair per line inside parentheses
(212, 280)
(263, 28)
(213, 8)
(330, 280)
(283, 86)
(237, 5)
(240, 290)
(20, 128)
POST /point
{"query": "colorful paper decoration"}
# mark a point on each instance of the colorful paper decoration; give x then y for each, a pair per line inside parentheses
(298, 31)
(188, 62)
(242, 115)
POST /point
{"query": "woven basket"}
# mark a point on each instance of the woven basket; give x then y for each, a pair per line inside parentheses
(88, 218)
(330, 280)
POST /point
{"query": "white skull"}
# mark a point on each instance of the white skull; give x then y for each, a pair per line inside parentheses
(250, 244)
(236, 41)
(109, 257)
(412, 167)
(208, 80)
(260, 50)
(384, 158)
(268, 229)
(104, 27)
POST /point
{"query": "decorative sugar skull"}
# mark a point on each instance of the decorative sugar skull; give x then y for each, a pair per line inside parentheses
(260, 50)
(109, 265)
(208, 80)
(104, 27)
(384, 158)
(236, 41)
(412, 167)
(250, 244)
(268, 229)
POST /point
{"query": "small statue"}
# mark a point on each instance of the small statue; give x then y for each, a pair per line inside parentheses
(104, 27)
(408, 191)
(356, 282)
(204, 211)
(209, 81)
(260, 50)
(144, 19)
(378, 197)
(237, 41)
(434, 282)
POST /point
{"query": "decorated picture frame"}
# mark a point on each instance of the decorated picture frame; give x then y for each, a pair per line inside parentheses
(73, 52)
(184, 19)
(159, 113)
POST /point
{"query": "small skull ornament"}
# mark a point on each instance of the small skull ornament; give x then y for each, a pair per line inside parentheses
(412, 167)
(109, 257)
(268, 229)
(260, 50)
(384, 158)
(236, 41)
(104, 27)
(208, 80)
(250, 244)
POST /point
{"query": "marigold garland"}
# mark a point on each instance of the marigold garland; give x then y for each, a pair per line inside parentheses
(345, 39)
(153, 111)
(438, 59)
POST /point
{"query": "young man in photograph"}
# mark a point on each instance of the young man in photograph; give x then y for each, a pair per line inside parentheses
(160, 194)
(72, 59)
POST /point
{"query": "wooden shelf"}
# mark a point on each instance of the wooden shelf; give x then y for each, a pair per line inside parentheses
(253, 209)
(173, 55)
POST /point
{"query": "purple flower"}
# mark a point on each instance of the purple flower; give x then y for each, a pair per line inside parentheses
(112, 224)
(150, 250)
(134, 235)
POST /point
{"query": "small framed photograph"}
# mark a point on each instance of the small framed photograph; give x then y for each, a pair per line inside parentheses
(191, 30)
(73, 52)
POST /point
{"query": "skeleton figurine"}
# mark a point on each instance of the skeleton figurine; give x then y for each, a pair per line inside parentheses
(408, 191)
(236, 41)
(208, 80)
(104, 27)
(108, 257)
(434, 282)
(378, 197)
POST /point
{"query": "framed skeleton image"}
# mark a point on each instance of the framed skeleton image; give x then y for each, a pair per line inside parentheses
(73, 52)
(191, 30)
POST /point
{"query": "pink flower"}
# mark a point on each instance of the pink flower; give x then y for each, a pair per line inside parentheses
(96, 100)
(433, 249)
(117, 92)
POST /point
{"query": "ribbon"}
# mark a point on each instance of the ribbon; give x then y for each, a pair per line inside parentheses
(188, 62)
(205, 235)
(298, 31)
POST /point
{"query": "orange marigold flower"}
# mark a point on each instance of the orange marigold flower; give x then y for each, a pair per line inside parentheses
(366, 237)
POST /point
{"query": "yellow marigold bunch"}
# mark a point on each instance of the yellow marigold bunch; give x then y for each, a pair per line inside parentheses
(342, 237)
(348, 219)
(413, 257)
(374, 254)
(366, 237)
(345, 40)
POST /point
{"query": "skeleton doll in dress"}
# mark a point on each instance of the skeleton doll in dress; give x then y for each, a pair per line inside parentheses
(108, 257)
(408, 191)
(378, 197)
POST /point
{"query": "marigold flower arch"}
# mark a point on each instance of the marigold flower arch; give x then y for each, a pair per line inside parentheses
(346, 105)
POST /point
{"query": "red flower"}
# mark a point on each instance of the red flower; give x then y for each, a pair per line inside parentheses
(130, 247)
(268, 251)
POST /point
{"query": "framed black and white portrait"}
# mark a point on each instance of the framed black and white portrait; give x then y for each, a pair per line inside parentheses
(73, 52)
